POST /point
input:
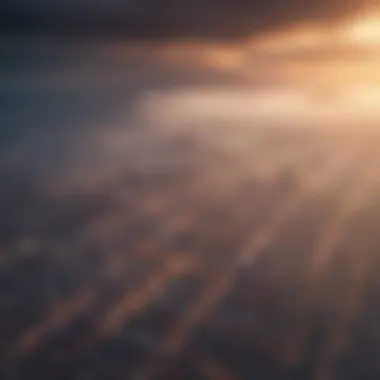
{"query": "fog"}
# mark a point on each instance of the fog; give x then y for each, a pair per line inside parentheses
(171, 221)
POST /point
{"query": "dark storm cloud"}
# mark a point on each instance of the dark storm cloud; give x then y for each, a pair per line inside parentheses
(153, 19)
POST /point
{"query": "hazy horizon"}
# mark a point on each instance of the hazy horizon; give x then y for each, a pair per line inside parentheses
(189, 190)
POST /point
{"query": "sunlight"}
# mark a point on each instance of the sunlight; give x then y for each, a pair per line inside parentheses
(293, 39)
(364, 31)
(220, 57)
(205, 108)
(229, 59)
(367, 97)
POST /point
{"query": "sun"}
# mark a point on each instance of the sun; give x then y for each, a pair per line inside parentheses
(364, 31)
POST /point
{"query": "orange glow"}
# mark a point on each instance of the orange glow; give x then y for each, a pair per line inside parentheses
(225, 58)
(296, 38)
(364, 31)
(221, 57)
(321, 57)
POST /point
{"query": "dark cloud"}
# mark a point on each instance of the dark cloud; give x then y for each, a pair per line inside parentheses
(167, 19)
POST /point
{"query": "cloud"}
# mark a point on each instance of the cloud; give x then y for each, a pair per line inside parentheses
(169, 19)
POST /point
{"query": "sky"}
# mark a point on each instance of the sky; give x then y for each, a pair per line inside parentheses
(184, 19)
(276, 41)
(273, 62)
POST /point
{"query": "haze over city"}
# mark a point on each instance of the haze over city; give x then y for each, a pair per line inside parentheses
(189, 189)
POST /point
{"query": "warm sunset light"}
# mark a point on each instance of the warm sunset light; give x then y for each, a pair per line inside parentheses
(365, 31)
(290, 40)
(190, 189)
(228, 59)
